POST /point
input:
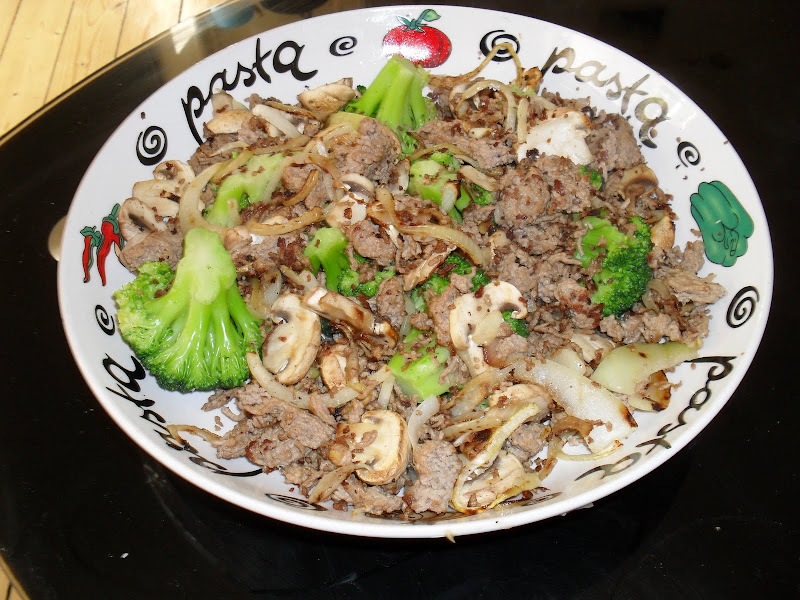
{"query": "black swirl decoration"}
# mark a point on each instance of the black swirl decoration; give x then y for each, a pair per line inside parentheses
(742, 306)
(104, 320)
(343, 46)
(295, 502)
(688, 154)
(621, 465)
(498, 36)
(151, 145)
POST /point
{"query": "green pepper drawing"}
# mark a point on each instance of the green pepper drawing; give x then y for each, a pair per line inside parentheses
(723, 221)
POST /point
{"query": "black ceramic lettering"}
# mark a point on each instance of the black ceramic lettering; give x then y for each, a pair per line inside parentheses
(132, 378)
(282, 67)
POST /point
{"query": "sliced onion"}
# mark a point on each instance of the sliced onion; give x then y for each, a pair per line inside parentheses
(475, 391)
(231, 166)
(303, 192)
(176, 430)
(330, 481)
(312, 216)
(499, 86)
(421, 414)
(522, 119)
(439, 232)
(276, 118)
(582, 398)
(231, 146)
(189, 209)
(479, 178)
(449, 196)
(294, 110)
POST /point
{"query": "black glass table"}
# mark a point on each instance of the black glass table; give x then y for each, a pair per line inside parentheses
(85, 513)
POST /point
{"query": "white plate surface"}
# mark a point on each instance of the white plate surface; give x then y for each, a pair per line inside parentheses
(679, 142)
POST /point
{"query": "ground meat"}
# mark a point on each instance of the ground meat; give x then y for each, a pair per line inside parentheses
(489, 151)
(371, 241)
(688, 287)
(294, 178)
(570, 192)
(165, 246)
(372, 499)
(613, 145)
(527, 441)
(439, 310)
(390, 301)
(207, 154)
(524, 195)
(373, 154)
(437, 466)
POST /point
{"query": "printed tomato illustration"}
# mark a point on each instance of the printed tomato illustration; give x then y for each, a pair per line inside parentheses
(423, 45)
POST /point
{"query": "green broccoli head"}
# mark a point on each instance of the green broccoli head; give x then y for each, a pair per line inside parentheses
(326, 251)
(436, 179)
(243, 187)
(624, 272)
(421, 376)
(395, 99)
(190, 328)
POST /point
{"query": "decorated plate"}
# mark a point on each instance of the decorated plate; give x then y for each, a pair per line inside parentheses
(711, 189)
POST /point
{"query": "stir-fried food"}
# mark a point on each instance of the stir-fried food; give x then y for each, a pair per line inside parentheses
(420, 295)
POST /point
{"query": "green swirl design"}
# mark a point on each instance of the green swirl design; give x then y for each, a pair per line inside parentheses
(723, 222)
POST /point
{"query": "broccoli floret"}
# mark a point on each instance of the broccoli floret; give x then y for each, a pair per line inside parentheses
(435, 179)
(190, 328)
(624, 272)
(595, 176)
(479, 280)
(242, 188)
(420, 377)
(395, 99)
(349, 285)
(518, 326)
(327, 251)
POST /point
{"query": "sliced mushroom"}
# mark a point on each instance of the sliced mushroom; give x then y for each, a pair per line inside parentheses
(229, 121)
(291, 346)
(351, 206)
(327, 99)
(471, 310)
(342, 310)
(662, 233)
(563, 134)
(422, 270)
(137, 219)
(161, 193)
(221, 101)
(379, 442)
(333, 366)
(637, 180)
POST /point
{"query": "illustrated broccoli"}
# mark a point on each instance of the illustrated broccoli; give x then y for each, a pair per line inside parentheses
(624, 272)
(327, 250)
(242, 188)
(395, 99)
(420, 376)
(191, 327)
(435, 179)
(723, 222)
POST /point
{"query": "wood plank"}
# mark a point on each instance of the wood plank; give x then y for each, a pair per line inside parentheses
(192, 8)
(25, 72)
(8, 10)
(145, 19)
(89, 43)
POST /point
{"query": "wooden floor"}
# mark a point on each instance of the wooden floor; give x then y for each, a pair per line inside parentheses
(48, 45)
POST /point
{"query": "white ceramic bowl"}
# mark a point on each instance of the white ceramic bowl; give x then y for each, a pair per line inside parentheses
(679, 142)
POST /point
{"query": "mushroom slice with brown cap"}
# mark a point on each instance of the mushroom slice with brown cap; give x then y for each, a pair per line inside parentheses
(291, 347)
(137, 219)
(229, 121)
(327, 99)
(171, 179)
(344, 311)
(350, 206)
(474, 315)
(379, 442)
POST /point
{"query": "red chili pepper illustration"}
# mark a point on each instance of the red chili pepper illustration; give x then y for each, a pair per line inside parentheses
(109, 230)
(423, 45)
(91, 240)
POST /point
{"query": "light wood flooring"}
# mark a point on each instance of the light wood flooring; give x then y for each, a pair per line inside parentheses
(46, 46)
